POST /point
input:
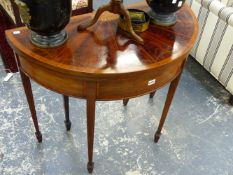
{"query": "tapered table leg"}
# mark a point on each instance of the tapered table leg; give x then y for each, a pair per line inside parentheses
(152, 94)
(67, 113)
(231, 100)
(125, 101)
(91, 94)
(28, 91)
(170, 95)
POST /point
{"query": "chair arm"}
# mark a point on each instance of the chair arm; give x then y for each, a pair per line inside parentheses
(12, 11)
(8, 9)
(219, 9)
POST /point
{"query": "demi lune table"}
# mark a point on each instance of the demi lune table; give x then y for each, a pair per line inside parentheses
(102, 64)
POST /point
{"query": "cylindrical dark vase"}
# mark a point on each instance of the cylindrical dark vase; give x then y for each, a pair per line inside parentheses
(163, 12)
(46, 19)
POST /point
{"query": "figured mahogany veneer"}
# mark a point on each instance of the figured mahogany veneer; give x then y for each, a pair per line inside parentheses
(101, 64)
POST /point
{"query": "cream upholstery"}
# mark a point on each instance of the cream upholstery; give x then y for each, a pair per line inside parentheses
(214, 46)
(76, 4)
(6, 4)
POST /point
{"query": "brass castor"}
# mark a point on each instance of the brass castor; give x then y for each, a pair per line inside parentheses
(90, 166)
(68, 125)
(38, 136)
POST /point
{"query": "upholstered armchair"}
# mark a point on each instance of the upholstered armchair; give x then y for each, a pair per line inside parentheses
(214, 46)
(10, 18)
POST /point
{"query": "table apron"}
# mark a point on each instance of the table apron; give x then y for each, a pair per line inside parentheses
(142, 84)
(106, 89)
(53, 80)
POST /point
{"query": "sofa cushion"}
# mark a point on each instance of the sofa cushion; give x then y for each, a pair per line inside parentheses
(214, 46)
(6, 4)
(228, 3)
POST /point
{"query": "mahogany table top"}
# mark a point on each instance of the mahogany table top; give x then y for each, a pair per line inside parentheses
(102, 51)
